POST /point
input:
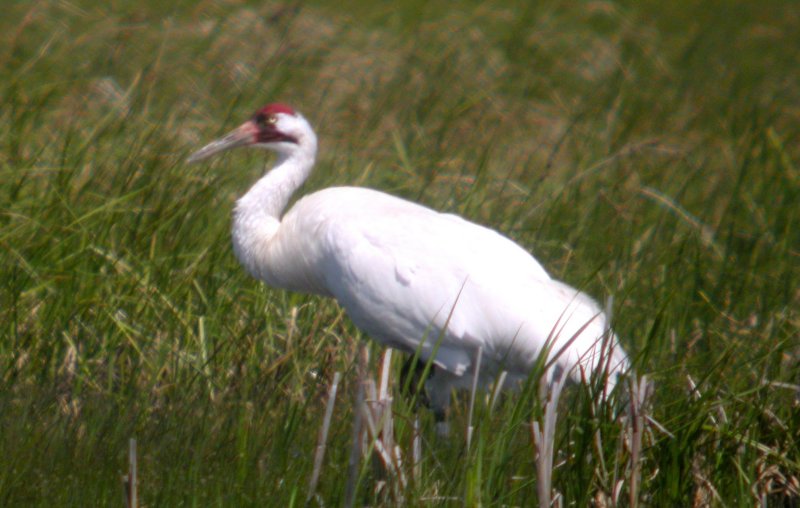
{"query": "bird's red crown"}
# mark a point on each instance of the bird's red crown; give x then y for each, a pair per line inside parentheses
(276, 107)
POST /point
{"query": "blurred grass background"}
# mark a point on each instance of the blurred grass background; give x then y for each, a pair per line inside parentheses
(641, 150)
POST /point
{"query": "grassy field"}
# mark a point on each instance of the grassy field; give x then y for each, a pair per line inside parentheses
(645, 151)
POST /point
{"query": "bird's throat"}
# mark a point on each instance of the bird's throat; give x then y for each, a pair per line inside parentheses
(257, 215)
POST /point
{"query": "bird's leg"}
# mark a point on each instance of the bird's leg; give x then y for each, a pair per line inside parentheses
(442, 425)
(410, 376)
(439, 387)
(435, 393)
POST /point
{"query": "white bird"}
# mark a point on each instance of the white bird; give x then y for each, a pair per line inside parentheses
(410, 277)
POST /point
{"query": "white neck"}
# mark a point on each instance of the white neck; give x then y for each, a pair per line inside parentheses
(257, 216)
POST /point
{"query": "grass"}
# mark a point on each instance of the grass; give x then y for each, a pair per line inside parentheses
(644, 151)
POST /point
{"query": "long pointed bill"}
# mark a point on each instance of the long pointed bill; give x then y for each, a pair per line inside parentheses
(243, 135)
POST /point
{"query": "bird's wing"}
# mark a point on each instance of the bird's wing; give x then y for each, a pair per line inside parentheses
(402, 290)
(409, 275)
(414, 278)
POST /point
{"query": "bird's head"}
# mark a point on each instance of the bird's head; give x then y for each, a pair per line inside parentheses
(275, 127)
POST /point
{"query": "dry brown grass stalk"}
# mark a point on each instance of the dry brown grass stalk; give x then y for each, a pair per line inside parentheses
(319, 455)
(544, 439)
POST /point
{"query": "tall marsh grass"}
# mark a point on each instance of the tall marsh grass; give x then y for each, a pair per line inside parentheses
(645, 151)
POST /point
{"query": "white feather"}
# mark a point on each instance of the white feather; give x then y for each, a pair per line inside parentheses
(410, 277)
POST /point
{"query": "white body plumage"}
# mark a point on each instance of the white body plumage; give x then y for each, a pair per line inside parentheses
(409, 276)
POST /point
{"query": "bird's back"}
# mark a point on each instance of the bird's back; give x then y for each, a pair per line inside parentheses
(406, 273)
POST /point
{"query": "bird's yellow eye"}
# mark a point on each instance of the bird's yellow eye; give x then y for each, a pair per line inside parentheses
(272, 119)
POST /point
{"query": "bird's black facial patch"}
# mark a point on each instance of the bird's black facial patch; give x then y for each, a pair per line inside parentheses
(267, 129)
(263, 120)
